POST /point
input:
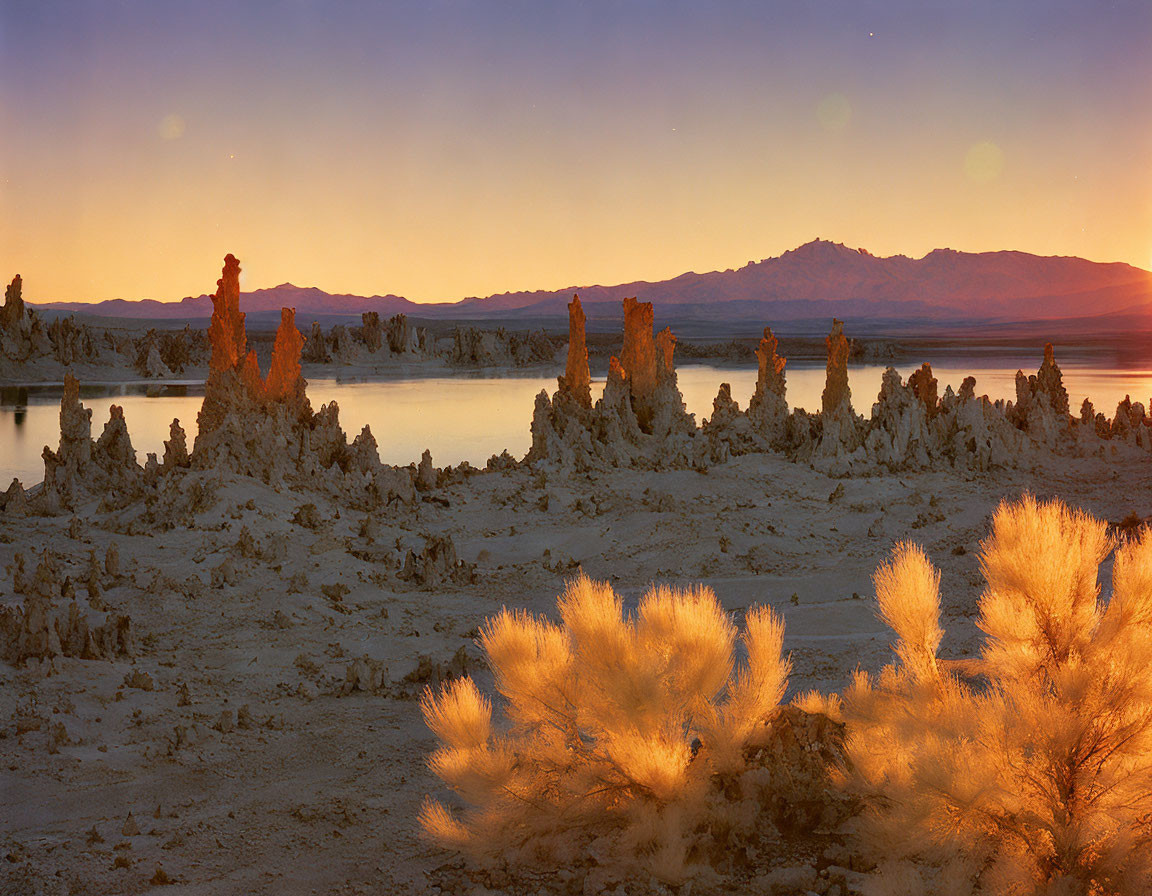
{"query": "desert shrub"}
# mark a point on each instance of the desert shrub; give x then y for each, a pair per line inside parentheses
(625, 738)
(1028, 769)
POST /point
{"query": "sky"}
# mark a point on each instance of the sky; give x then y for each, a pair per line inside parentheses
(456, 148)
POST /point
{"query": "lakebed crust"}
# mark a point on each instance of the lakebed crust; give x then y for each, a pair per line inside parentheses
(223, 646)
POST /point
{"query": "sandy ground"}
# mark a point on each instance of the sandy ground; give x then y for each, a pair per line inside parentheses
(312, 791)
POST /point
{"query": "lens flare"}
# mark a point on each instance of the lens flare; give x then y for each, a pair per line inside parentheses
(984, 162)
(171, 127)
(834, 112)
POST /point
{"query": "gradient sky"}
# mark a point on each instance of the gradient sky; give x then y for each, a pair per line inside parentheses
(445, 149)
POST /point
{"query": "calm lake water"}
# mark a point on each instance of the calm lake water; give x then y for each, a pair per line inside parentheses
(473, 417)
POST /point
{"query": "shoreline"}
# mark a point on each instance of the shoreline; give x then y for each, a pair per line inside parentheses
(94, 377)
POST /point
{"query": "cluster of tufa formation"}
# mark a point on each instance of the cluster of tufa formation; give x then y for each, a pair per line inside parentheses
(51, 623)
(373, 340)
(397, 339)
(249, 424)
(81, 468)
(165, 354)
(24, 337)
(767, 424)
(913, 426)
(265, 426)
(472, 347)
(15, 322)
(31, 347)
(639, 421)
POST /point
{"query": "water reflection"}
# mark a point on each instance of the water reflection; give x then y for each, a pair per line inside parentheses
(473, 417)
(16, 398)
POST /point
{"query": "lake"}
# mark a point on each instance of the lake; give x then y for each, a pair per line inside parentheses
(471, 417)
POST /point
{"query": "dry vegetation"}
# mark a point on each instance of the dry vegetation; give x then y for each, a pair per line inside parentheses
(628, 738)
(623, 731)
(1030, 770)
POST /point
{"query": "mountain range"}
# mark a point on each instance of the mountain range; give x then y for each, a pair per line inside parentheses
(816, 280)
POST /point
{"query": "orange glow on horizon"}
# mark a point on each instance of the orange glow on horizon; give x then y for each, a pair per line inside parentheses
(471, 156)
(156, 224)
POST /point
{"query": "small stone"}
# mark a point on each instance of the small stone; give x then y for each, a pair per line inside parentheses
(140, 680)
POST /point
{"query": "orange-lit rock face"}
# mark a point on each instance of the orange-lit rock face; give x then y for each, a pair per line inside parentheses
(925, 388)
(666, 346)
(576, 377)
(284, 380)
(226, 331)
(230, 350)
(638, 356)
(12, 311)
(1050, 380)
(837, 395)
(770, 378)
(234, 379)
(768, 407)
(250, 376)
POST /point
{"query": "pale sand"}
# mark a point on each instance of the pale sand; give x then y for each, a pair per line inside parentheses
(324, 798)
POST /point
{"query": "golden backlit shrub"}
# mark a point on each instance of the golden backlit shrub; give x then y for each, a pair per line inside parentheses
(1028, 770)
(622, 732)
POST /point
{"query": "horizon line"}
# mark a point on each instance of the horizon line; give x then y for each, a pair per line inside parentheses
(434, 302)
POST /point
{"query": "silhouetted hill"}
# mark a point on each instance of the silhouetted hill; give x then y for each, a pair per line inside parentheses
(305, 299)
(832, 278)
(817, 280)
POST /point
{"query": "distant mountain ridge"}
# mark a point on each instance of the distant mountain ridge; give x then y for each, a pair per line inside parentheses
(305, 299)
(819, 278)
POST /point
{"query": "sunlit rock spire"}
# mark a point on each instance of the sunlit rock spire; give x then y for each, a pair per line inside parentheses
(768, 407)
(226, 332)
(638, 357)
(12, 312)
(234, 379)
(837, 396)
(926, 389)
(576, 380)
(285, 382)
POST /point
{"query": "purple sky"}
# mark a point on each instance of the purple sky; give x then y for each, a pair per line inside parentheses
(446, 149)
